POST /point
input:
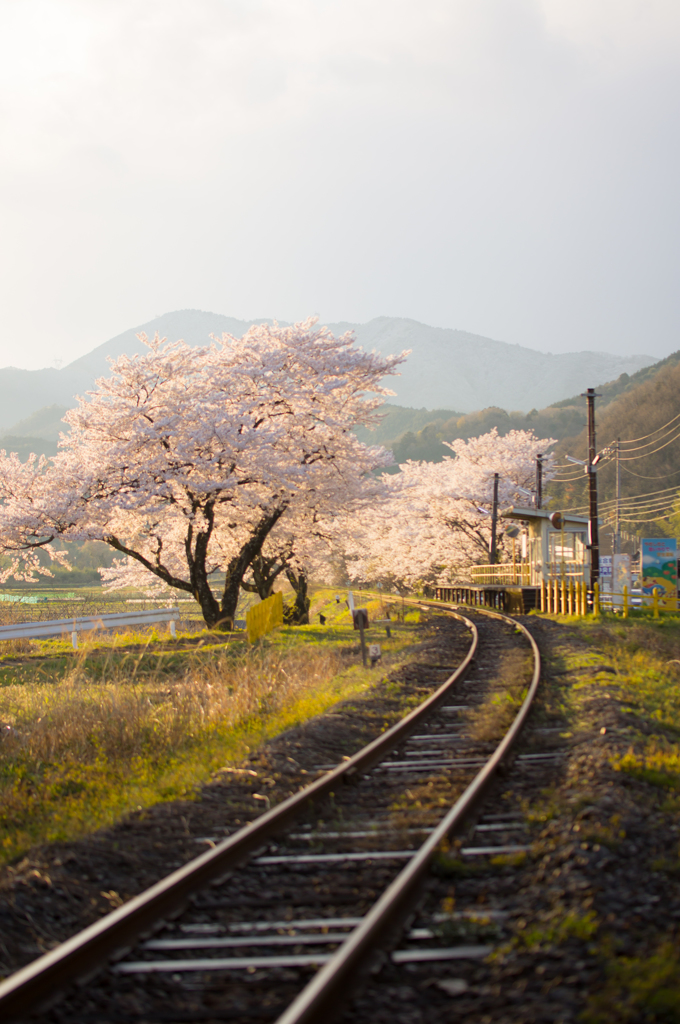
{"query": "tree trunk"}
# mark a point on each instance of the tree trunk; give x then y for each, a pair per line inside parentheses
(238, 566)
(298, 613)
(265, 573)
(217, 614)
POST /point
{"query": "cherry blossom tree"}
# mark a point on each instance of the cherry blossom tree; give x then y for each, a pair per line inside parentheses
(437, 518)
(184, 460)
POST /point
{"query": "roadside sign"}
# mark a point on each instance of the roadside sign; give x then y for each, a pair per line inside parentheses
(660, 570)
(606, 572)
(620, 579)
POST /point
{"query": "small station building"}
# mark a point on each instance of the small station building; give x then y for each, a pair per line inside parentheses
(541, 555)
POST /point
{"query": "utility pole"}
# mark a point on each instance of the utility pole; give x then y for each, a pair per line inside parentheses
(593, 530)
(539, 480)
(617, 531)
(494, 520)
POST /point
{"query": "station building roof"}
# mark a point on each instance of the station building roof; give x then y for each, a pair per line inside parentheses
(536, 515)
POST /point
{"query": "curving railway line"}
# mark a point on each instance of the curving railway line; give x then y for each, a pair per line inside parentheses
(288, 918)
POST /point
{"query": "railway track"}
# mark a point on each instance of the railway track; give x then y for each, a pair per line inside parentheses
(285, 918)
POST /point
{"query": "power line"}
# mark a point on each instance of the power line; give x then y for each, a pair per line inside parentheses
(644, 506)
(652, 519)
(643, 476)
(635, 502)
(655, 441)
(646, 454)
(633, 440)
(647, 506)
(647, 494)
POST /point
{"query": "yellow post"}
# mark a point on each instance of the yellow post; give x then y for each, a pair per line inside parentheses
(571, 597)
(655, 602)
(584, 597)
(596, 598)
(556, 597)
(543, 601)
(564, 596)
(625, 602)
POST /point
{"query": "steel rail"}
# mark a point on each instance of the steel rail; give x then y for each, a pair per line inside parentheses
(326, 994)
(37, 984)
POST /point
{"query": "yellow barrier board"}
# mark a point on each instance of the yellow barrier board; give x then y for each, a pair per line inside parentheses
(264, 617)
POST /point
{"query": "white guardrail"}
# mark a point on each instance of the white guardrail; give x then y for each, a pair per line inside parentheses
(58, 627)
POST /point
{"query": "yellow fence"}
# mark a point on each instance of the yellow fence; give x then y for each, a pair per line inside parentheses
(504, 574)
(566, 597)
(264, 617)
(658, 601)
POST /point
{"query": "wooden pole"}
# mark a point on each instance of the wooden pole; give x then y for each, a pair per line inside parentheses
(593, 525)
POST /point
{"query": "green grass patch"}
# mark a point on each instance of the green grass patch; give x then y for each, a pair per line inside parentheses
(448, 865)
(638, 989)
(555, 929)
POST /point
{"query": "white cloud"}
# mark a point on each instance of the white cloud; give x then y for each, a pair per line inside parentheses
(505, 166)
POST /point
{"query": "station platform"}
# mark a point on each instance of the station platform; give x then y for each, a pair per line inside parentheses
(505, 598)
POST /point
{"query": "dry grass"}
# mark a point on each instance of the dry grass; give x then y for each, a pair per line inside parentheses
(492, 719)
(117, 714)
(132, 720)
(80, 748)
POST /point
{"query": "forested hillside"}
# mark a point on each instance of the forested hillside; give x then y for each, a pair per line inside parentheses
(426, 443)
(646, 418)
(624, 383)
(419, 435)
(39, 433)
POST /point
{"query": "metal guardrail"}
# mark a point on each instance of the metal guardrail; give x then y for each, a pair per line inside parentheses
(112, 620)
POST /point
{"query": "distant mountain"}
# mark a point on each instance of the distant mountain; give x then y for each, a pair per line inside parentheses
(46, 423)
(418, 434)
(192, 325)
(451, 369)
(447, 369)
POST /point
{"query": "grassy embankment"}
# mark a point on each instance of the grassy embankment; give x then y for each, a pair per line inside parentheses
(133, 719)
(633, 666)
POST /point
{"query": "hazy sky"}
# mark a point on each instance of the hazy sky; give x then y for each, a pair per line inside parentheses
(508, 167)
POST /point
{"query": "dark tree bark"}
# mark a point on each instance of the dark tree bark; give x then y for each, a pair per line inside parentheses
(218, 614)
(298, 613)
(265, 573)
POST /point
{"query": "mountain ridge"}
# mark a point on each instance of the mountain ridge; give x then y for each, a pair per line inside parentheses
(447, 368)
